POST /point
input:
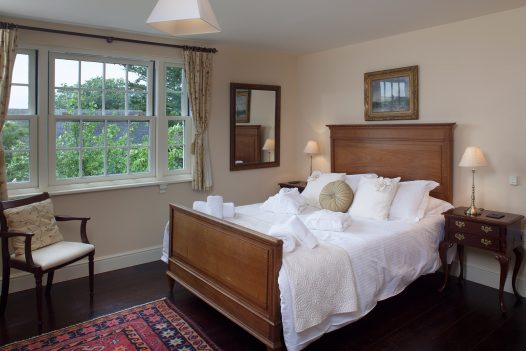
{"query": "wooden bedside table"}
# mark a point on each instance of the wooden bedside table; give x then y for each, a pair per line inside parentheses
(300, 184)
(498, 236)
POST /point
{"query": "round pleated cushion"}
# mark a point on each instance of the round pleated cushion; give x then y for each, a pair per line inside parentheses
(336, 196)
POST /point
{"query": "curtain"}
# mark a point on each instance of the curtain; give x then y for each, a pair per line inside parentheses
(198, 70)
(8, 43)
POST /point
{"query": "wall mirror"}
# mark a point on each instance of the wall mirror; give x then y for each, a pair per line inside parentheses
(255, 111)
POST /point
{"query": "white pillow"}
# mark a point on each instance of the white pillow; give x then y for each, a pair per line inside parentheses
(354, 179)
(316, 182)
(437, 207)
(374, 197)
(410, 201)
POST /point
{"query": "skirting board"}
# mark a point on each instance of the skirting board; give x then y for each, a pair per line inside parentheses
(23, 281)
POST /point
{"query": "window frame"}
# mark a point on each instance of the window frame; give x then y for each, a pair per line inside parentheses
(32, 117)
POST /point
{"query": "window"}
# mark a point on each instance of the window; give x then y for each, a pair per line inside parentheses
(177, 112)
(19, 132)
(102, 119)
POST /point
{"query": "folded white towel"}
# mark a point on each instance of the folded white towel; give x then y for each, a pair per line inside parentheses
(214, 204)
(200, 206)
(287, 201)
(229, 210)
(328, 220)
(283, 232)
(301, 232)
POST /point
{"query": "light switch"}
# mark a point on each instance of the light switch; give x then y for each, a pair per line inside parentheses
(513, 180)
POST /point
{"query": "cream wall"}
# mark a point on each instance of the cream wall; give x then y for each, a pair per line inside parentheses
(471, 72)
(132, 219)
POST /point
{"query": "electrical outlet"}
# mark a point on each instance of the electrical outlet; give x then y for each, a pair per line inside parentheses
(513, 180)
(162, 188)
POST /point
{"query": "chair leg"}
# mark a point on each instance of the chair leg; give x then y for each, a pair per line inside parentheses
(38, 281)
(49, 283)
(5, 287)
(91, 274)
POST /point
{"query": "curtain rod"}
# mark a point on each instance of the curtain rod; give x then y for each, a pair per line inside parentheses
(109, 39)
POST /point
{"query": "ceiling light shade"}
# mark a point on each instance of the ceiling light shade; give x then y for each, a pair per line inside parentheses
(184, 17)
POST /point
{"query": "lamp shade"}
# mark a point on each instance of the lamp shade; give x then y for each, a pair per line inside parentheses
(269, 145)
(311, 148)
(183, 17)
(473, 157)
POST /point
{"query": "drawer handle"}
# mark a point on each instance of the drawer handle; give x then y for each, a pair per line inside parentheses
(460, 224)
(485, 242)
(459, 236)
(486, 229)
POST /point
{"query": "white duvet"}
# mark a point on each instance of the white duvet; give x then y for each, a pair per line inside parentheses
(385, 256)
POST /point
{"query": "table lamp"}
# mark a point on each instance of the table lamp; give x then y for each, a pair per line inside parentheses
(269, 146)
(311, 148)
(473, 158)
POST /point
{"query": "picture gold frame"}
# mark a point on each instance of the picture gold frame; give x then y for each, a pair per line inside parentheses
(391, 94)
(243, 97)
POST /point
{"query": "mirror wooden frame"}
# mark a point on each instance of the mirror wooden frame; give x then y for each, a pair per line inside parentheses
(277, 116)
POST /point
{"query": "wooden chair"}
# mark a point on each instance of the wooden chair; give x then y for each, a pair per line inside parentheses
(43, 260)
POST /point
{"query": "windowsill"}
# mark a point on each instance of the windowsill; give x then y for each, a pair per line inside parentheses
(100, 186)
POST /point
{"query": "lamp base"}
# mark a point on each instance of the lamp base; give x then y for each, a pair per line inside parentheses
(473, 211)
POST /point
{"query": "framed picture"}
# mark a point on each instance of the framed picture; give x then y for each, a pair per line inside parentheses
(243, 106)
(391, 94)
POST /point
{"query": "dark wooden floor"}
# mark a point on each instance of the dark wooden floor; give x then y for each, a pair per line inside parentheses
(464, 317)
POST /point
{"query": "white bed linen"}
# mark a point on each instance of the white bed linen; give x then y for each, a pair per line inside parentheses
(386, 256)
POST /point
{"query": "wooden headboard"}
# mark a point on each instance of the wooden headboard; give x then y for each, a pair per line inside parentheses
(410, 151)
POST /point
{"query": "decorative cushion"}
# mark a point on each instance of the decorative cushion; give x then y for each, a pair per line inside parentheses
(374, 197)
(37, 218)
(410, 201)
(57, 254)
(336, 196)
(316, 182)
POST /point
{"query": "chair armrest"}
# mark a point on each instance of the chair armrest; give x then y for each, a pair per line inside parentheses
(27, 244)
(83, 224)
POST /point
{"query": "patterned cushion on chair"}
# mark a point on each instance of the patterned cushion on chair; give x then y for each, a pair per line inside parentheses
(37, 218)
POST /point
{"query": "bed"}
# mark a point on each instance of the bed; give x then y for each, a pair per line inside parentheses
(235, 269)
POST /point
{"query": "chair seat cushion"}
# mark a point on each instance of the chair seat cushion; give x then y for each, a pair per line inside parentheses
(56, 254)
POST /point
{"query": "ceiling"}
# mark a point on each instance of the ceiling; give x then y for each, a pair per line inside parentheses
(291, 25)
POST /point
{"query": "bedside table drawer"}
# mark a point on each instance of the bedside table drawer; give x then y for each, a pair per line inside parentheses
(490, 242)
(473, 227)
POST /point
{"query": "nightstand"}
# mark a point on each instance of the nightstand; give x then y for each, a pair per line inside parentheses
(496, 236)
(300, 184)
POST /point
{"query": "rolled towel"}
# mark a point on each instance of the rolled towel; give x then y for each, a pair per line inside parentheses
(200, 206)
(283, 232)
(286, 201)
(228, 210)
(328, 221)
(214, 204)
(301, 232)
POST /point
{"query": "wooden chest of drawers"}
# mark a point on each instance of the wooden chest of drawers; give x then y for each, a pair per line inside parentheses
(500, 236)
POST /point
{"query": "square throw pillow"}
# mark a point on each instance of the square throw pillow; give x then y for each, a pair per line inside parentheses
(37, 218)
(374, 197)
(410, 201)
(354, 179)
(316, 182)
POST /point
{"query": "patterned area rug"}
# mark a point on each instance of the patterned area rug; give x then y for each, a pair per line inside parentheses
(155, 326)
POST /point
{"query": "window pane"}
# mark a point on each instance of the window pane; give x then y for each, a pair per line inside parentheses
(66, 73)
(67, 164)
(21, 69)
(175, 132)
(136, 104)
(67, 134)
(140, 133)
(173, 104)
(174, 78)
(139, 160)
(117, 133)
(93, 162)
(66, 102)
(117, 161)
(137, 77)
(15, 135)
(92, 134)
(175, 157)
(91, 102)
(116, 72)
(19, 100)
(17, 164)
(114, 103)
(91, 75)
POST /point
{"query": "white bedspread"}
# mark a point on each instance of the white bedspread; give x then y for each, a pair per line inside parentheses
(385, 256)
